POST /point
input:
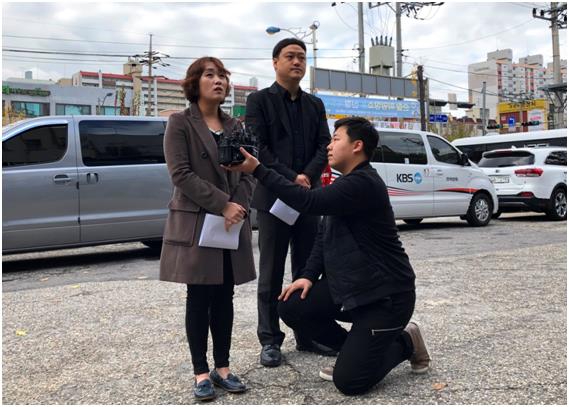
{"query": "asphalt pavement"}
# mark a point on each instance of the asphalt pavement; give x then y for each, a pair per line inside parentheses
(494, 322)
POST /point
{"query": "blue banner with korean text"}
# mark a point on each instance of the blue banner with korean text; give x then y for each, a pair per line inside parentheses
(369, 107)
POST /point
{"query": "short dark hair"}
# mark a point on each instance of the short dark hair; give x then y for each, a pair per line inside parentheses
(191, 83)
(359, 128)
(285, 43)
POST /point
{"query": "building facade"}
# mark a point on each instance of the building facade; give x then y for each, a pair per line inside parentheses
(24, 98)
(508, 81)
(166, 94)
(236, 102)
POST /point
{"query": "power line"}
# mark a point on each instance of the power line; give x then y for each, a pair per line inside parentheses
(9, 19)
(71, 40)
(178, 45)
(65, 53)
(32, 59)
(470, 72)
(423, 57)
(342, 20)
(171, 57)
(476, 39)
(525, 5)
(502, 96)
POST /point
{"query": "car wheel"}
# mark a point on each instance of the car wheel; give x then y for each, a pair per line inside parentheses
(155, 245)
(557, 207)
(413, 221)
(480, 210)
(497, 214)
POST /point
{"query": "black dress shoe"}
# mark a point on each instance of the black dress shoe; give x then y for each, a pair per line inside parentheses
(204, 390)
(232, 384)
(317, 348)
(271, 355)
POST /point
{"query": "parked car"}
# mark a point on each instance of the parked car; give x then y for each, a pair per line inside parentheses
(83, 180)
(529, 178)
(428, 177)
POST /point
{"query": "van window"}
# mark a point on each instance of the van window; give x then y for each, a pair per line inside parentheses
(377, 156)
(39, 145)
(403, 148)
(557, 158)
(443, 151)
(116, 142)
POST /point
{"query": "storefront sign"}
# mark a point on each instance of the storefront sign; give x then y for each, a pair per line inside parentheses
(6, 90)
(514, 107)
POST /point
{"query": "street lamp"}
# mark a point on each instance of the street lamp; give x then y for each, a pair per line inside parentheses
(103, 102)
(300, 34)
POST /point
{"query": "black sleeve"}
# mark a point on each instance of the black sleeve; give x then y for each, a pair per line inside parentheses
(255, 119)
(315, 167)
(314, 267)
(348, 195)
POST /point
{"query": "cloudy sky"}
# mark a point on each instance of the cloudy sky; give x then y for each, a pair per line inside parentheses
(446, 38)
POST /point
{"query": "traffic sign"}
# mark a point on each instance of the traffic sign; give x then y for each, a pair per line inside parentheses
(511, 121)
(438, 118)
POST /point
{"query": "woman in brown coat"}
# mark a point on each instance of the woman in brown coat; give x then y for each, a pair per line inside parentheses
(201, 186)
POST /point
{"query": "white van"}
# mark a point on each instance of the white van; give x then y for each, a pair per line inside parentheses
(427, 177)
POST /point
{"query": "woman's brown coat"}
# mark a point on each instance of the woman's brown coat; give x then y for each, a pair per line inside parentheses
(201, 186)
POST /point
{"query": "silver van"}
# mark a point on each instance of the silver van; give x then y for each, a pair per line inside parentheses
(83, 180)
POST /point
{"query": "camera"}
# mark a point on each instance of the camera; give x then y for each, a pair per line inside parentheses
(228, 147)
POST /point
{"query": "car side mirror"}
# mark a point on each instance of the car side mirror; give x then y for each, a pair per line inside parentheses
(464, 159)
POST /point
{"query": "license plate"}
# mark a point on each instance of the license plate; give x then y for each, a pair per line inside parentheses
(499, 179)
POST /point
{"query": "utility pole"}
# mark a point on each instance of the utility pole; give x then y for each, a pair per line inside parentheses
(314, 47)
(151, 58)
(361, 46)
(558, 114)
(484, 108)
(410, 9)
(421, 97)
(149, 97)
(555, 42)
(558, 20)
(399, 40)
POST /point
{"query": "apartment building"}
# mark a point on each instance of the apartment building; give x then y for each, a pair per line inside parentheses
(507, 81)
(166, 93)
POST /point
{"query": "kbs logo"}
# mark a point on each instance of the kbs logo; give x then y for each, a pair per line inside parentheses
(417, 178)
(404, 177)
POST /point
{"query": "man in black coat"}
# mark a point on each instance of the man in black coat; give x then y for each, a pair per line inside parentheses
(358, 270)
(293, 134)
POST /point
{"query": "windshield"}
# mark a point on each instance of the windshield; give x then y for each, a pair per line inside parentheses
(506, 159)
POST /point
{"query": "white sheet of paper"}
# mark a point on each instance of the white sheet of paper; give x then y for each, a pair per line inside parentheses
(284, 212)
(214, 233)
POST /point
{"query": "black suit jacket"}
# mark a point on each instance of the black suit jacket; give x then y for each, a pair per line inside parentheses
(268, 117)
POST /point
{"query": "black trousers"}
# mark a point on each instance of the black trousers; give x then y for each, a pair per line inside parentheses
(210, 307)
(375, 344)
(274, 239)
